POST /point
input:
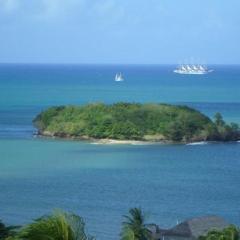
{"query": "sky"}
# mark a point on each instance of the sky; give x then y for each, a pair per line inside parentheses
(120, 31)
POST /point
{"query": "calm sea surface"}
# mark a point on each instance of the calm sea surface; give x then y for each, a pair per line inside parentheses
(99, 182)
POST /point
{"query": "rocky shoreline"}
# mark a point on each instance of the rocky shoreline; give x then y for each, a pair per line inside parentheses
(108, 141)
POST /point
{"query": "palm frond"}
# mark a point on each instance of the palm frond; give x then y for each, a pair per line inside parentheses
(134, 226)
(58, 226)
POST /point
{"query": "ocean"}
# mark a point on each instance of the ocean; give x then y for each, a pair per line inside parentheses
(101, 182)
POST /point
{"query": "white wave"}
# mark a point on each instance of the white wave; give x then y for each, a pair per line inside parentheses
(198, 143)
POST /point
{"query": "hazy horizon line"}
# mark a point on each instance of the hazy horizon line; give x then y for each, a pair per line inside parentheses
(113, 64)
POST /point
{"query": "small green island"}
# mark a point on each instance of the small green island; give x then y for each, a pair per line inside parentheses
(134, 121)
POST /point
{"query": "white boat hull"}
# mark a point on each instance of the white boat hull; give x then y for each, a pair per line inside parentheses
(192, 72)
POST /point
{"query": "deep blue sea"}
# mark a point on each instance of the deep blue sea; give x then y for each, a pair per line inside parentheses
(101, 182)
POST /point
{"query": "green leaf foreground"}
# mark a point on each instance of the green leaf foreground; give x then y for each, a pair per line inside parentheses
(57, 226)
(134, 227)
(134, 121)
(229, 233)
(68, 226)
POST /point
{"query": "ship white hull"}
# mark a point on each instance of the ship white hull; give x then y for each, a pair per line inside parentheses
(192, 72)
(186, 72)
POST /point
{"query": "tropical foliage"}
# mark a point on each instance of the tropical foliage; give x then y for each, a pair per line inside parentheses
(225, 131)
(133, 121)
(58, 226)
(134, 226)
(67, 226)
(7, 231)
(229, 233)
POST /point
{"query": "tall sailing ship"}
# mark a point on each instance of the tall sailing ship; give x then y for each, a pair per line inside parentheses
(192, 69)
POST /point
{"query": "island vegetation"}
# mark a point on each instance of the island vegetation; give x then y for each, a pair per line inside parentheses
(134, 121)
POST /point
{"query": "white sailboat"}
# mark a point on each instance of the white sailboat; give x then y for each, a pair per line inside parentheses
(119, 77)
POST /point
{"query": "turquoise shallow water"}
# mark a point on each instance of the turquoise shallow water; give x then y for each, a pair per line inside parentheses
(99, 182)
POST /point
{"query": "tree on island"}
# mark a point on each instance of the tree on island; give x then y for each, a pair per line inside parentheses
(219, 119)
(134, 226)
(226, 132)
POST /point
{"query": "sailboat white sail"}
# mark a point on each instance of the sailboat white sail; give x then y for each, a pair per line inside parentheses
(119, 77)
(195, 67)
